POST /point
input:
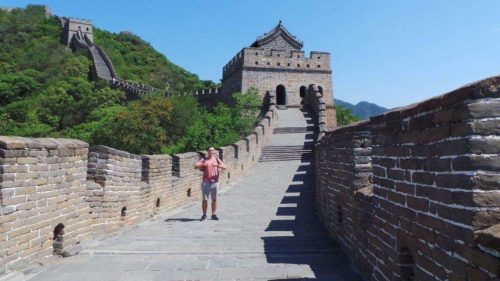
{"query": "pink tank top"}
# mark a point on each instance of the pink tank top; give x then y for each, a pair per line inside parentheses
(210, 172)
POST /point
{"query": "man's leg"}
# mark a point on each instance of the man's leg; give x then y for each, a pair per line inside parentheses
(204, 204)
(214, 206)
(204, 207)
(213, 194)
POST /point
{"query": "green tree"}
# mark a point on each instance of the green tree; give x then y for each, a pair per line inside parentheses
(344, 116)
(15, 86)
(139, 128)
(222, 126)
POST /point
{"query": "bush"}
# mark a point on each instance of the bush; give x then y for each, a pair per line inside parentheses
(344, 116)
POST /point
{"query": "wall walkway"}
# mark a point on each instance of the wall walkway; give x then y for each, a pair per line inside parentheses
(268, 229)
(57, 193)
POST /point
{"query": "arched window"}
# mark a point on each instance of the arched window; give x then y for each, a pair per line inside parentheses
(58, 241)
(303, 91)
(280, 95)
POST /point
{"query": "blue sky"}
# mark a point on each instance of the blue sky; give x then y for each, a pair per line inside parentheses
(390, 52)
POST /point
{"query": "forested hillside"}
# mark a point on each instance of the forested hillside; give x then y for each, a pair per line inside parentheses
(45, 91)
(137, 61)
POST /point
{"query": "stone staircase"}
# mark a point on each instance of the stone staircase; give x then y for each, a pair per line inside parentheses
(104, 68)
(292, 135)
(285, 153)
(101, 68)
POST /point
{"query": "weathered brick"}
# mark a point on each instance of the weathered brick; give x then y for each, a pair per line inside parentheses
(461, 181)
(477, 199)
(407, 188)
(431, 222)
(437, 165)
(416, 203)
(396, 197)
(422, 178)
(478, 257)
(485, 145)
(396, 174)
(411, 164)
(476, 162)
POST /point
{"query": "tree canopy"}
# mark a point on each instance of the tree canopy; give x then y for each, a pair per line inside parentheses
(45, 89)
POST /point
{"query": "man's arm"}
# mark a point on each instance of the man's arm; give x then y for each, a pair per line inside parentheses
(220, 164)
(200, 164)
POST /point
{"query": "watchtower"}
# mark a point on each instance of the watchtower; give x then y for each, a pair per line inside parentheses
(276, 63)
(72, 25)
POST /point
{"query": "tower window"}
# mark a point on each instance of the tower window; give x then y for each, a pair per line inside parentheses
(319, 57)
(287, 64)
(302, 91)
(256, 53)
(256, 62)
(308, 65)
(278, 55)
(319, 66)
(268, 63)
(298, 65)
(279, 64)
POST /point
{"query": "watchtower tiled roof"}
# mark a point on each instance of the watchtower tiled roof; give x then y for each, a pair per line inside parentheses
(279, 33)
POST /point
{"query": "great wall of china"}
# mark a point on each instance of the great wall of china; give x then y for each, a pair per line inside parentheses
(412, 194)
(78, 34)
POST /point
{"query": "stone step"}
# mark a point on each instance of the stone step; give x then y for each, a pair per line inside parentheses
(285, 153)
(102, 68)
(293, 130)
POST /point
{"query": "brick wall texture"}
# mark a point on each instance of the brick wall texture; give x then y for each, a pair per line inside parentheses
(49, 184)
(414, 194)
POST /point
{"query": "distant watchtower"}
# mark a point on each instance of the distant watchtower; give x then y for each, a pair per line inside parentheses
(72, 25)
(276, 63)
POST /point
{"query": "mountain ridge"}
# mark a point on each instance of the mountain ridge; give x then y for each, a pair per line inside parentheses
(362, 109)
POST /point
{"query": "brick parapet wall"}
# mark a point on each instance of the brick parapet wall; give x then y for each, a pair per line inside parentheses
(42, 185)
(47, 182)
(324, 111)
(433, 210)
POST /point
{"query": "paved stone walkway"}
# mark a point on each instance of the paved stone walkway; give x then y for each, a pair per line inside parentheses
(268, 231)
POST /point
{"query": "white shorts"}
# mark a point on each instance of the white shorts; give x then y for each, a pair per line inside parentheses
(209, 189)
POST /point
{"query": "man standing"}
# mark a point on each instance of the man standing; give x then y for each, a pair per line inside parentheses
(211, 166)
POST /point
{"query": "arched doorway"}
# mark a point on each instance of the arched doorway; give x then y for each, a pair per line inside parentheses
(303, 91)
(280, 95)
(320, 90)
(406, 264)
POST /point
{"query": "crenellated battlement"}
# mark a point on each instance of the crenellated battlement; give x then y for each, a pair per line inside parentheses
(207, 91)
(277, 59)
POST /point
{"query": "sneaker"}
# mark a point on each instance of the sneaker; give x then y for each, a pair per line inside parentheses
(214, 217)
(203, 217)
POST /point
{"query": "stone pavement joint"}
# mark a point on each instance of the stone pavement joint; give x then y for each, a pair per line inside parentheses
(268, 230)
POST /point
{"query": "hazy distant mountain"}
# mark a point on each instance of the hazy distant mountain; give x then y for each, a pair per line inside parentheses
(363, 110)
